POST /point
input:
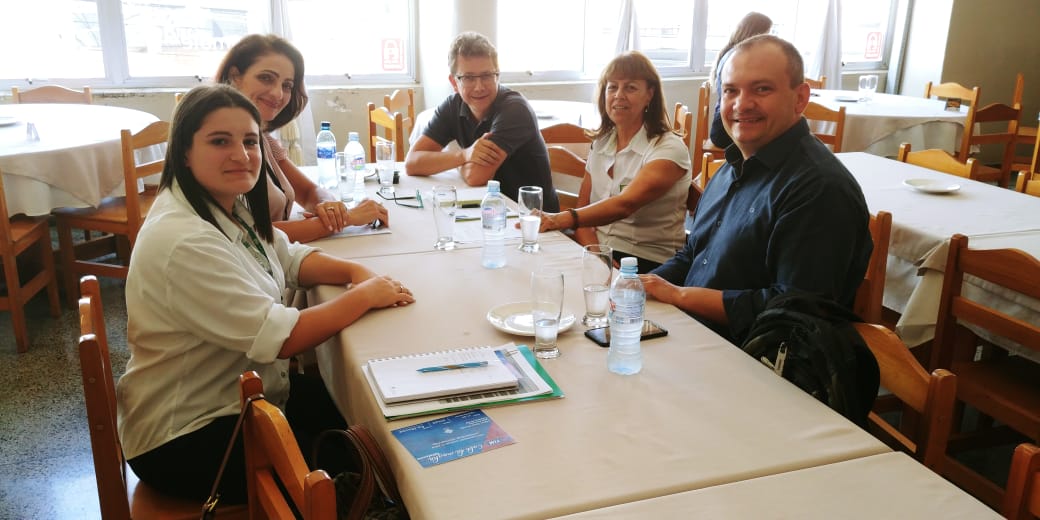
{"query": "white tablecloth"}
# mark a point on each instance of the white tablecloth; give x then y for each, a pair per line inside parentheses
(890, 485)
(75, 163)
(922, 224)
(878, 126)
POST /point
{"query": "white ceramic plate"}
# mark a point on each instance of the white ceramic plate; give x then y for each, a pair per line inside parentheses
(932, 186)
(8, 120)
(544, 115)
(846, 99)
(515, 318)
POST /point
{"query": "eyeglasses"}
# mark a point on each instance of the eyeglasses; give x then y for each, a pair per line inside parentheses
(471, 80)
(418, 204)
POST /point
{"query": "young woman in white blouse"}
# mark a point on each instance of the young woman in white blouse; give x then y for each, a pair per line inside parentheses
(204, 304)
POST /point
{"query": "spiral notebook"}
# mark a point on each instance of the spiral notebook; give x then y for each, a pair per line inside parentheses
(399, 379)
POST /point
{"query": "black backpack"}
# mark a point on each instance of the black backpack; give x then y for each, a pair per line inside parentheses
(810, 341)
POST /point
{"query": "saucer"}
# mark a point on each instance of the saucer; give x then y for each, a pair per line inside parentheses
(846, 99)
(515, 318)
(8, 120)
(932, 186)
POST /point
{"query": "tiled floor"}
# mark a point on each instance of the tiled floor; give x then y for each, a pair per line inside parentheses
(46, 467)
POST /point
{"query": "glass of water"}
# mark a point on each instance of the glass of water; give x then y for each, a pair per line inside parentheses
(530, 206)
(445, 202)
(597, 267)
(385, 166)
(546, 308)
(867, 86)
(346, 177)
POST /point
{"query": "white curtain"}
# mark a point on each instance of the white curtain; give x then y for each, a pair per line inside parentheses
(297, 136)
(827, 58)
(628, 35)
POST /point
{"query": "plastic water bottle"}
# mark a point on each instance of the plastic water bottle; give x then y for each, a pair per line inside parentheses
(627, 300)
(493, 211)
(326, 145)
(356, 154)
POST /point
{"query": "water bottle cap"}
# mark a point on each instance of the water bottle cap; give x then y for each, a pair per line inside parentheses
(353, 136)
(325, 125)
(629, 261)
(493, 187)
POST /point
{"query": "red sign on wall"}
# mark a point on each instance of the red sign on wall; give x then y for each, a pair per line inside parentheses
(873, 50)
(393, 54)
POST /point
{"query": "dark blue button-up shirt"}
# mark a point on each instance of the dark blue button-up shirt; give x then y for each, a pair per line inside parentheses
(789, 217)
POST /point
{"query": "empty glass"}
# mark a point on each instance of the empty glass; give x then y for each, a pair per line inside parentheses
(597, 262)
(346, 177)
(530, 206)
(385, 165)
(546, 308)
(867, 86)
(445, 202)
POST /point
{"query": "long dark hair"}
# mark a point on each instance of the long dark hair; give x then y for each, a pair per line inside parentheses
(188, 116)
(242, 56)
(633, 65)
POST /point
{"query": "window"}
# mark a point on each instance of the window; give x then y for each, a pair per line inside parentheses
(180, 42)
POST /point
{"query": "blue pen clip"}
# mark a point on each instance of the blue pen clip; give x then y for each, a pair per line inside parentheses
(457, 366)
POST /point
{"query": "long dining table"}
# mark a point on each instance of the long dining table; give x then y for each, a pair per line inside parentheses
(701, 413)
(922, 224)
(880, 124)
(76, 160)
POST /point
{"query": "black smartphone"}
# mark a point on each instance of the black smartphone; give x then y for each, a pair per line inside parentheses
(601, 335)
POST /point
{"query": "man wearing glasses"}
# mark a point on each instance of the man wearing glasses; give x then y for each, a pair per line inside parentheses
(495, 127)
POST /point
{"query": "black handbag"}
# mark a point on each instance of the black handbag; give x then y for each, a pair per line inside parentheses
(371, 494)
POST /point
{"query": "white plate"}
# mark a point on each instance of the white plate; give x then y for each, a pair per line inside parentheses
(932, 186)
(515, 318)
(846, 99)
(8, 120)
(544, 115)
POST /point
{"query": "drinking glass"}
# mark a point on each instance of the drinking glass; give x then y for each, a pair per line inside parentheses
(346, 177)
(530, 206)
(596, 270)
(867, 86)
(546, 308)
(385, 165)
(445, 202)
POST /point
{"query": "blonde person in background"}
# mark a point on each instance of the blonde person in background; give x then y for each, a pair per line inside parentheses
(269, 71)
(633, 195)
(204, 304)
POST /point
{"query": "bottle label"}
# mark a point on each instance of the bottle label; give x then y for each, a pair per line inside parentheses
(326, 152)
(357, 163)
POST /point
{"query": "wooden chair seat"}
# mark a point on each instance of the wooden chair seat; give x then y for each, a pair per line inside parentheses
(112, 210)
(1010, 387)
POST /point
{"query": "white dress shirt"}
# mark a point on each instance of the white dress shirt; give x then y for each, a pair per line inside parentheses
(655, 231)
(200, 311)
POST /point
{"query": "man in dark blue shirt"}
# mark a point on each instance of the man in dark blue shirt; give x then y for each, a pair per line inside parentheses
(496, 128)
(782, 214)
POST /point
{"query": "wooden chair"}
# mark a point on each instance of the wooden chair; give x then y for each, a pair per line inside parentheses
(1028, 180)
(994, 113)
(682, 122)
(52, 94)
(952, 90)
(274, 461)
(999, 386)
(1022, 500)
(872, 290)
(1026, 134)
(707, 168)
(817, 112)
(120, 494)
(929, 395)
(566, 162)
(120, 216)
(938, 160)
(403, 101)
(392, 126)
(701, 140)
(817, 83)
(18, 235)
(569, 136)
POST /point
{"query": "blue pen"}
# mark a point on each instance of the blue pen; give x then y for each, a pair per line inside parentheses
(441, 368)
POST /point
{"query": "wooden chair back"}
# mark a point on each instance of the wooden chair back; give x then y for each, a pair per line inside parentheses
(390, 125)
(817, 83)
(1022, 499)
(52, 94)
(274, 461)
(1027, 130)
(952, 90)
(999, 386)
(403, 101)
(707, 167)
(682, 123)
(995, 113)
(817, 112)
(701, 141)
(569, 136)
(872, 290)
(938, 160)
(566, 162)
(930, 395)
(122, 217)
(18, 235)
